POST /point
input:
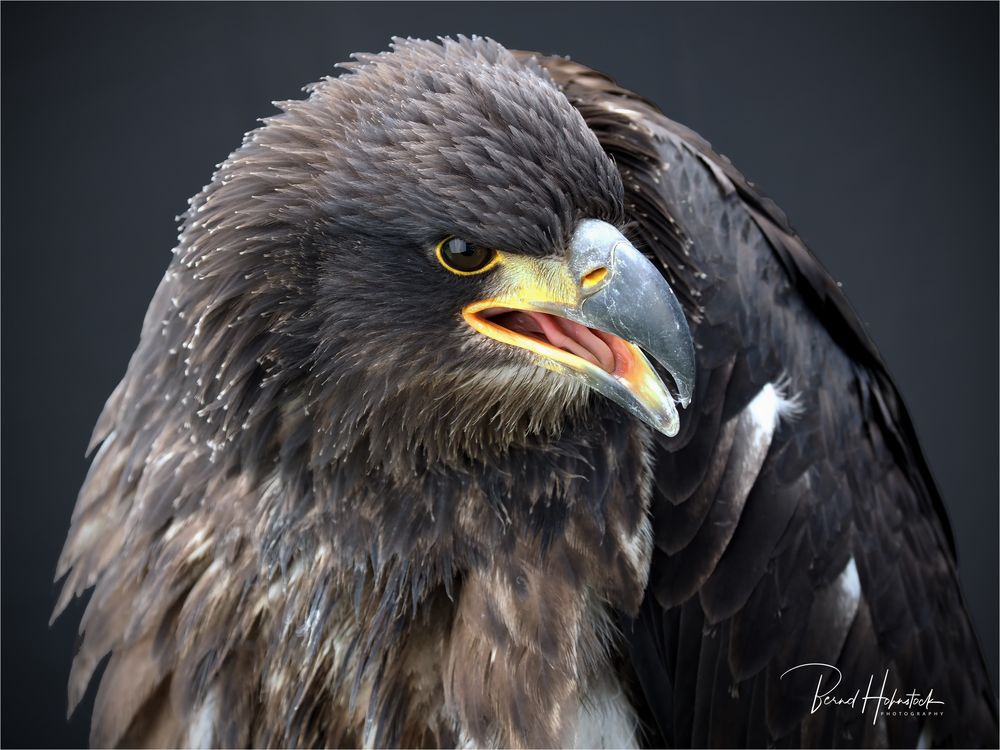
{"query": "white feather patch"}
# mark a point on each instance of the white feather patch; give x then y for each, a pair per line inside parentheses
(925, 740)
(764, 409)
(850, 588)
(607, 719)
(201, 733)
(789, 406)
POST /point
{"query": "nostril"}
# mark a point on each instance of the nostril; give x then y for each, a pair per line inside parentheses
(593, 278)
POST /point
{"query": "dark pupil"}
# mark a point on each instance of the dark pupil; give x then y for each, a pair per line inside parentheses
(462, 256)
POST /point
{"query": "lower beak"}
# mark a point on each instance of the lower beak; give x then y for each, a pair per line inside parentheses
(591, 317)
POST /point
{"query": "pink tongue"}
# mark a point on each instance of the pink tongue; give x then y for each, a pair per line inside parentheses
(576, 339)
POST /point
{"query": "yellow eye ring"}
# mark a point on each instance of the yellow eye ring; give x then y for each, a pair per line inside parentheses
(463, 258)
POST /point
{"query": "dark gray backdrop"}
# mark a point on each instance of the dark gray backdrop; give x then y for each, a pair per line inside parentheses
(874, 126)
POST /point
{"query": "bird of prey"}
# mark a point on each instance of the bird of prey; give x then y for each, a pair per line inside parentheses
(483, 405)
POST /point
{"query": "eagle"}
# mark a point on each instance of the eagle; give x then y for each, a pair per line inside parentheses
(483, 405)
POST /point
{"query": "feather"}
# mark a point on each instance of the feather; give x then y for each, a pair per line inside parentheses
(840, 498)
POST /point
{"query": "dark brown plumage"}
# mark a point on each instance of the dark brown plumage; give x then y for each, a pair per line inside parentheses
(325, 511)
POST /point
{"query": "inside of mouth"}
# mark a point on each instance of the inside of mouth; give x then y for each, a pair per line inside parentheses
(602, 349)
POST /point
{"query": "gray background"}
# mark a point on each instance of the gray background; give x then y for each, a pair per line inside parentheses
(874, 126)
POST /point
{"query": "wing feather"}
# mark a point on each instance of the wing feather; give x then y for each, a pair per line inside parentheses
(825, 540)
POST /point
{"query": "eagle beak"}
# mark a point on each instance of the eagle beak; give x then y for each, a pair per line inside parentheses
(591, 316)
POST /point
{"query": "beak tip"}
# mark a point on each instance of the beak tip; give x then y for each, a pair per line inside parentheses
(668, 426)
(671, 430)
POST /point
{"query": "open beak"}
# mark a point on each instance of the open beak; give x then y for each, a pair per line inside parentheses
(591, 316)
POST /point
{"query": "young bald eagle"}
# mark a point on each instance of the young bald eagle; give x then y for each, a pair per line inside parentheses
(390, 467)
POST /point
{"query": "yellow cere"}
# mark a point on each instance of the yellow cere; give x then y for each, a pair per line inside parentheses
(524, 282)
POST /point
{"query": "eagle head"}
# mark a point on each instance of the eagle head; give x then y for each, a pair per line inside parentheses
(421, 262)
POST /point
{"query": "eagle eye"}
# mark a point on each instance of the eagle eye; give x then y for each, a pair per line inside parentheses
(464, 258)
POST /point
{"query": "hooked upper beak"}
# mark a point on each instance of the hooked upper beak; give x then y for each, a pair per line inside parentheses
(591, 316)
